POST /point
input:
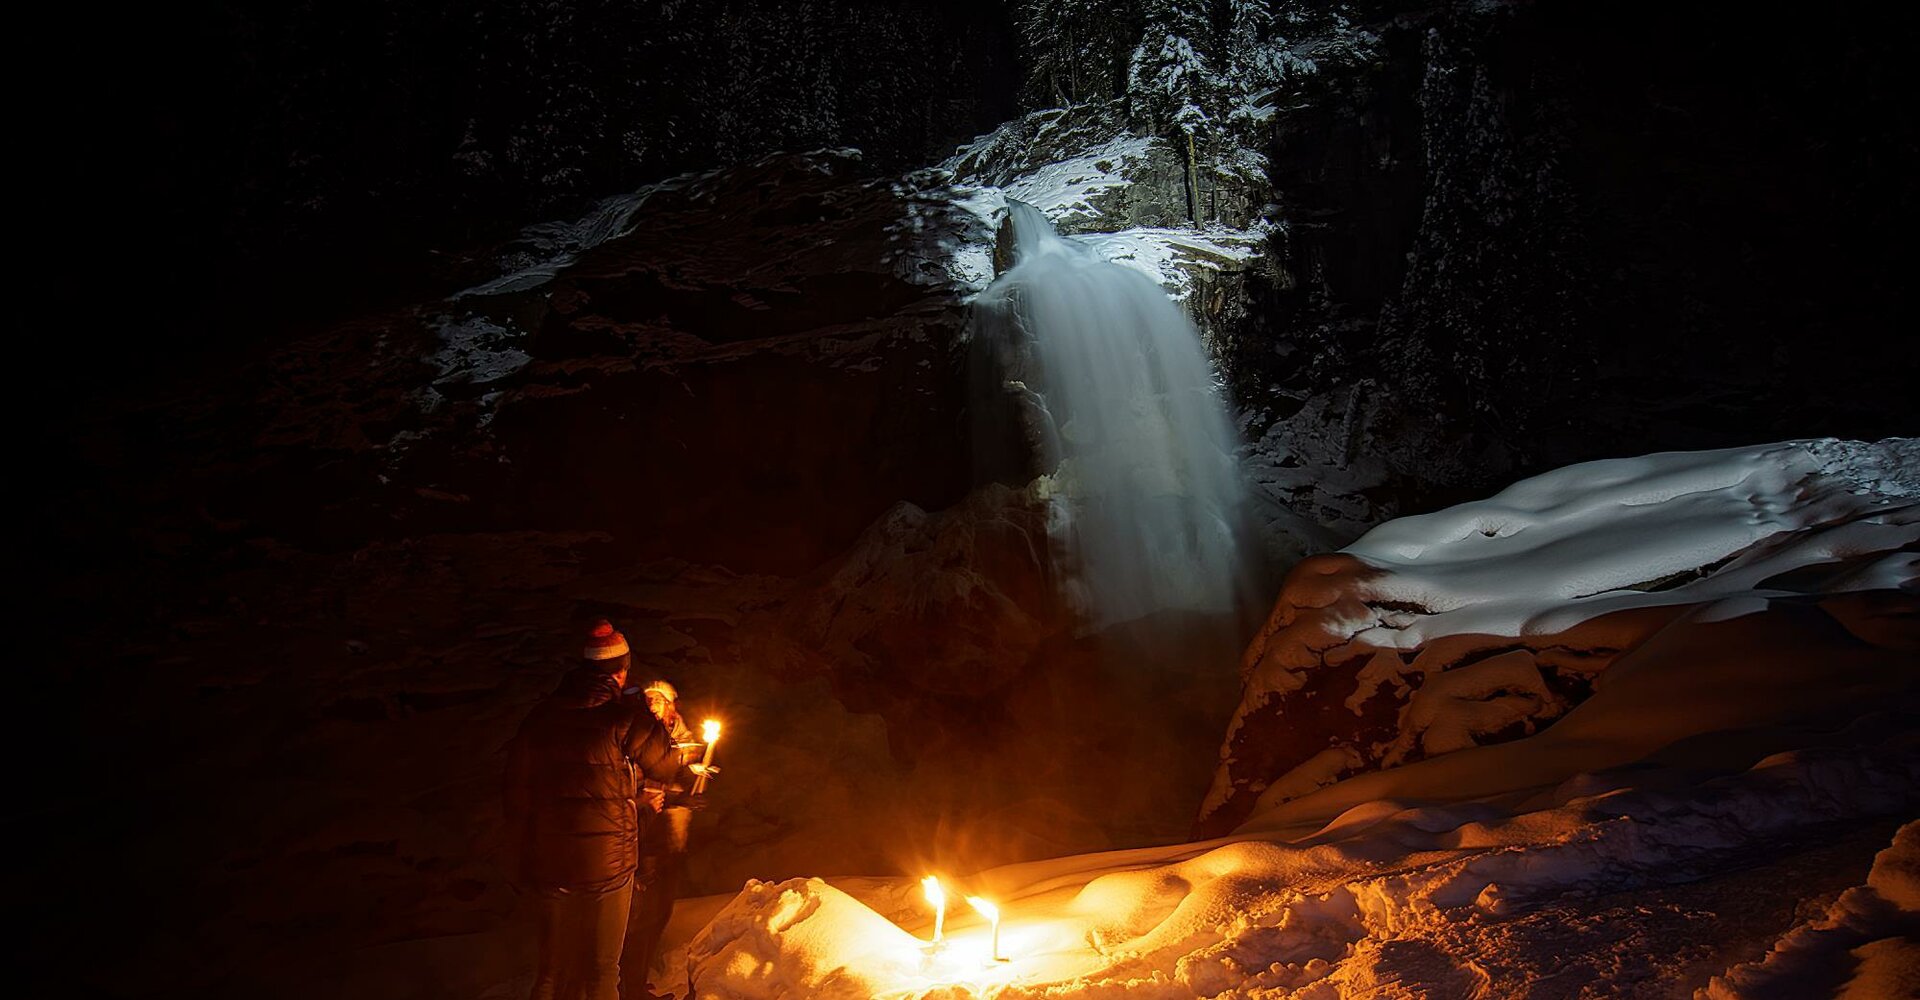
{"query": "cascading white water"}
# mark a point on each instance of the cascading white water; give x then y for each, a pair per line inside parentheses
(1117, 398)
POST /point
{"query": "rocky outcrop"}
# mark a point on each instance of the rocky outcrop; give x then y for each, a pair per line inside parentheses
(1127, 195)
(935, 605)
(1092, 173)
(777, 339)
(1488, 621)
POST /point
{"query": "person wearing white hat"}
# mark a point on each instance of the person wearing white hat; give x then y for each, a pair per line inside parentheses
(663, 845)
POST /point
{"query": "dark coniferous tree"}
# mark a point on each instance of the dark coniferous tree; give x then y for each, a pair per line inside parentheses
(1076, 51)
(1171, 82)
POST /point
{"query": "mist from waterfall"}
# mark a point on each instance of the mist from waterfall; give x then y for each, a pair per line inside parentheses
(1105, 380)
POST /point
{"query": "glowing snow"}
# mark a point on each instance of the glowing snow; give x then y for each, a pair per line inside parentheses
(1326, 895)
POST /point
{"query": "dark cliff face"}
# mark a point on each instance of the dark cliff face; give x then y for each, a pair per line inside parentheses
(330, 159)
(1564, 231)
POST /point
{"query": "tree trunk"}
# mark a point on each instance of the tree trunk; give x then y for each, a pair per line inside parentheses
(1193, 184)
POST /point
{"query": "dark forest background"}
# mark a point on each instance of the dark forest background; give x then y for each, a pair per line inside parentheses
(331, 153)
(1736, 183)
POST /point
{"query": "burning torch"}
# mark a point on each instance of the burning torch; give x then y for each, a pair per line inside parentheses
(710, 732)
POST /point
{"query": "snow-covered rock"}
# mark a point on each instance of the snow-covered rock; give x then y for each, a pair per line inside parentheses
(1488, 620)
(1096, 177)
(1090, 172)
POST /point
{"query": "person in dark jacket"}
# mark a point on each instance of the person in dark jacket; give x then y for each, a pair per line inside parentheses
(573, 820)
(663, 845)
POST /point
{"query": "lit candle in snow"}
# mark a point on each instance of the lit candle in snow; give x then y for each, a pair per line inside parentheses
(710, 732)
(938, 897)
(991, 912)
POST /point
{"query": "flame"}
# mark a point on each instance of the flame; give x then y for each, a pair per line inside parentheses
(988, 910)
(938, 897)
(710, 730)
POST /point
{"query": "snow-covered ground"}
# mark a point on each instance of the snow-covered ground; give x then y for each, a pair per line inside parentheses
(1610, 854)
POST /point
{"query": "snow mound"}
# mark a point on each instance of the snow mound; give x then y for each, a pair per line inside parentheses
(802, 938)
(1417, 894)
(1864, 946)
(1675, 528)
(1612, 853)
(1490, 620)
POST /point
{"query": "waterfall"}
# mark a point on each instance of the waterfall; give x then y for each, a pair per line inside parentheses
(1104, 381)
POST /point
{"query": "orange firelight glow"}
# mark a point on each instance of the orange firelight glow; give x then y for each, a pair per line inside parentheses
(710, 732)
(992, 913)
(938, 897)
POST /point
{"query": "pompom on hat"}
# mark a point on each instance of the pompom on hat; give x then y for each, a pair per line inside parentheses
(603, 643)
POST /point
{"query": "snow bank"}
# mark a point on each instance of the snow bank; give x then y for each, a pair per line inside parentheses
(1318, 912)
(1675, 528)
(1489, 620)
(1722, 736)
(803, 938)
(541, 251)
(1864, 946)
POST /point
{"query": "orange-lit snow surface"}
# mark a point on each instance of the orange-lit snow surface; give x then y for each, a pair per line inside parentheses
(1475, 873)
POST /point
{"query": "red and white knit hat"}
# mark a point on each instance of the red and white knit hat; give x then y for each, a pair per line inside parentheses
(603, 643)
